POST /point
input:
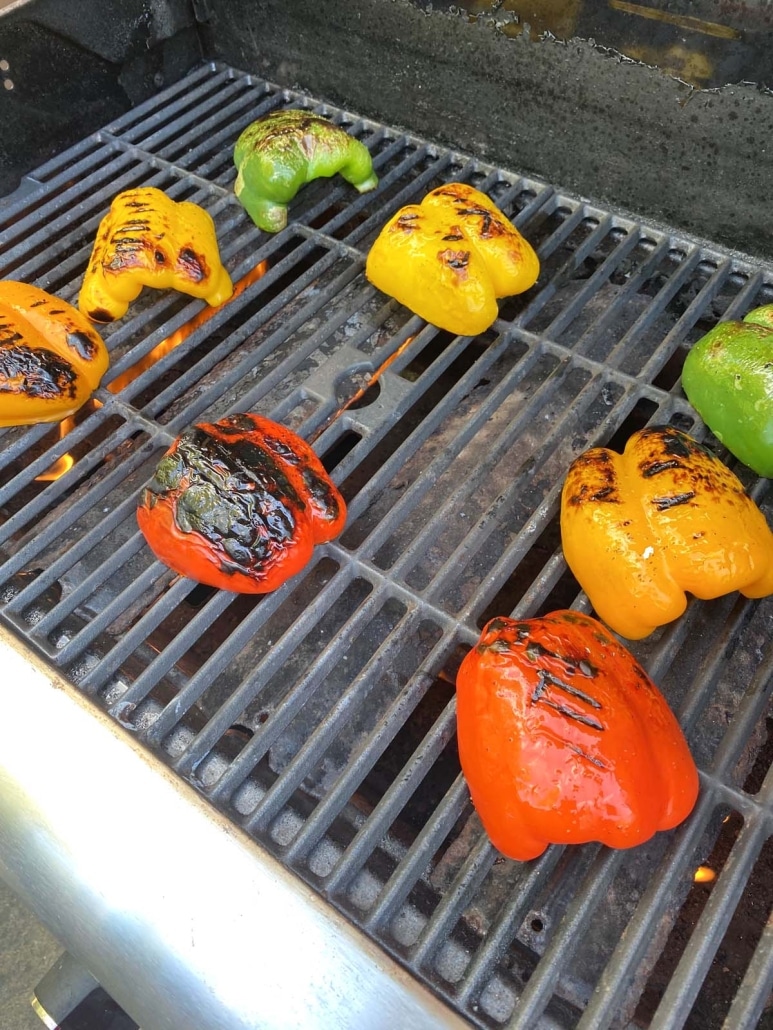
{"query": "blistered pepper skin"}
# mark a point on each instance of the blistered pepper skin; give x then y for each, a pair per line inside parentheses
(239, 504)
(449, 258)
(284, 150)
(51, 357)
(642, 529)
(148, 239)
(564, 739)
(728, 379)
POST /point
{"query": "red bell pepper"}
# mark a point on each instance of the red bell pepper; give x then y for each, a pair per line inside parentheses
(563, 738)
(239, 504)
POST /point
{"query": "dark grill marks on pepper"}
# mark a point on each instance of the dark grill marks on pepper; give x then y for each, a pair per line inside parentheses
(231, 504)
(35, 372)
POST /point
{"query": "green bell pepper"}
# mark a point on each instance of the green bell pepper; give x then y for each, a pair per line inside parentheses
(284, 150)
(728, 379)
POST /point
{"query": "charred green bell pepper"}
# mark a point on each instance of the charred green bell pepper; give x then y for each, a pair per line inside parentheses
(284, 150)
(728, 379)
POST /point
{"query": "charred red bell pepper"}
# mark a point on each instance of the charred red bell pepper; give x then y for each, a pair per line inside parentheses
(239, 504)
(564, 739)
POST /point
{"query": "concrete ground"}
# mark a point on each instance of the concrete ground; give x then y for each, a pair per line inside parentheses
(27, 952)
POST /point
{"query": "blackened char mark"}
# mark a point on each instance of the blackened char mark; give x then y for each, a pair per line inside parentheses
(36, 372)
(456, 259)
(192, 265)
(546, 678)
(664, 503)
(82, 344)
(654, 468)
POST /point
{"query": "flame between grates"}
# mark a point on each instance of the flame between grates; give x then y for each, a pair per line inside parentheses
(321, 717)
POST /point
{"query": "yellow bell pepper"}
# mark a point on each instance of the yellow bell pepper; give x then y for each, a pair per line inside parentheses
(450, 257)
(146, 239)
(51, 357)
(641, 529)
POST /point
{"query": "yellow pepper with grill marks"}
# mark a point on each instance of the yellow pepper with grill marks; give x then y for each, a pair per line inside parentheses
(51, 357)
(148, 239)
(642, 529)
(449, 258)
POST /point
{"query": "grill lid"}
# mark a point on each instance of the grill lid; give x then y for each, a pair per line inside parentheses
(320, 718)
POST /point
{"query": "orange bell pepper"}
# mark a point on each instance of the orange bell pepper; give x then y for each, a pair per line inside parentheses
(641, 529)
(51, 357)
(148, 239)
(564, 739)
(450, 257)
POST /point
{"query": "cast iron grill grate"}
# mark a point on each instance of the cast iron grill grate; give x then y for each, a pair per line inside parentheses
(321, 717)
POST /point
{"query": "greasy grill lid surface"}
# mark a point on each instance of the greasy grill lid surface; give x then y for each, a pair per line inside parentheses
(321, 717)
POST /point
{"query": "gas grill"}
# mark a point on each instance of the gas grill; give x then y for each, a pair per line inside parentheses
(242, 811)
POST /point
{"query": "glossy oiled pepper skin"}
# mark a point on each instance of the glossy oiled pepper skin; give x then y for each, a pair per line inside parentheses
(283, 151)
(449, 258)
(728, 379)
(148, 239)
(239, 504)
(564, 739)
(641, 529)
(51, 357)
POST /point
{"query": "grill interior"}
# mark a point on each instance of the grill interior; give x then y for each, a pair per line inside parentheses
(320, 718)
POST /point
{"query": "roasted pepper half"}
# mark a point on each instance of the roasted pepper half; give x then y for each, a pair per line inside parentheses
(284, 150)
(147, 239)
(239, 504)
(450, 257)
(564, 739)
(666, 517)
(51, 357)
(728, 379)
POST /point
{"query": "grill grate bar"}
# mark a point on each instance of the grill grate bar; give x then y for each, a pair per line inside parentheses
(298, 695)
(538, 990)
(178, 111)
(630, 953)
(599, 278)
(179, 588)
(503, 931)
(426, 844)
(683, 989)
(486, 524)
(366, 756)
(87, 587)
(393, 800)
(49, 533)
(455, 900)
(75, 647)
(754, 992)
(281, 791)
(200, 682)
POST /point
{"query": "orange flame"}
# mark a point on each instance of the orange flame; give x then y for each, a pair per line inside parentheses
(167, 345)
(704, 875)
(66, 462)
(63, 464)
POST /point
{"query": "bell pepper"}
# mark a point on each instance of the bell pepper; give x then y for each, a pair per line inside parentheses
(148, 239)
(728, 379)
(564, 739)
(239, 504)
(641, 529)
(282, 151)
(450, 257)
(51, 357)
